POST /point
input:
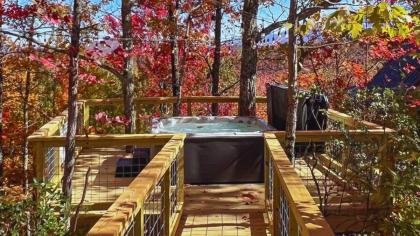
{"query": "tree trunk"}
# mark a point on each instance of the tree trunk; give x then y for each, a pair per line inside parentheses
(248, 59)
(25, 108)
(292, 99)
(215, 71)
(186, 49)
(72, 101)
(1, 102)
(128, 84)
(176, 85)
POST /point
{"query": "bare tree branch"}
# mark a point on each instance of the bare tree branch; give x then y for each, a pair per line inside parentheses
(104, 66)
(301, 15)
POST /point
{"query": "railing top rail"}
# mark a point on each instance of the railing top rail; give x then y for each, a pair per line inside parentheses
(52, 126)
(107, 140)
(116, 220)
(301, 203)
(350, 121)
(325, 135)
(160, 100)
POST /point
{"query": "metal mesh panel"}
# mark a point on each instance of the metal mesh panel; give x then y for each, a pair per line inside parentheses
(355, 157)
(50, 163)
(133, 229)
(54, 157)
(343, 175)
(154, 222)
(174, 177)
(283, 223)
(106, 181)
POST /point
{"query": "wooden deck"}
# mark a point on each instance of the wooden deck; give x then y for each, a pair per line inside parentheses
(213, 209)
(103, 187)
(224, 210)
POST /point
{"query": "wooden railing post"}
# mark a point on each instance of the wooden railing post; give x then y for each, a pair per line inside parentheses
(86, 113)
(167, 201)
(189, 108)
(266, 173)
(181, 172)
(276, 204)
(345, 158)
(293, 225)
(386, 164)
(139, 225)
(39, 160)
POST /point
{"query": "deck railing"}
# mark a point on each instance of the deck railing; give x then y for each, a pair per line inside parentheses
(103, 186)
(152, 204)
(48, 159)
(161, 105)
(349, 170)
(290, 206)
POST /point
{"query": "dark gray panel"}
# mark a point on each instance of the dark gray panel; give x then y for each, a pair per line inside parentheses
(221, 160)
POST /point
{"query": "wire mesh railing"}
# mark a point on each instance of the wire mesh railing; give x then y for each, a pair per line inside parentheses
(345, 172)
(293, 210)
(152, 203)
(348, 177)
(283, 222)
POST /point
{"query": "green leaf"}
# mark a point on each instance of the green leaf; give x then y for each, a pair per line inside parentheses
(356, 29)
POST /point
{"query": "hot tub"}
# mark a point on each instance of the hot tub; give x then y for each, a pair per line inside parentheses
(219, 150)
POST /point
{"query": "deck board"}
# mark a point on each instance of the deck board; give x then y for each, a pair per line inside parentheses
(236, 209)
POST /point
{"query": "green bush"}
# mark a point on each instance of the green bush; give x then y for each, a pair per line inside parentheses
(394, 109)
(21, 214)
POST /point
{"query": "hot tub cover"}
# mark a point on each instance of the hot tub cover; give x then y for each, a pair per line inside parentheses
(211, 126)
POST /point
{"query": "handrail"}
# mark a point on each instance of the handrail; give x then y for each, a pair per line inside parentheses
(53, 126)
(326, 135)
(293, 208)
(350, 121)
(129, 208)
(101, 140)
(162, 100)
